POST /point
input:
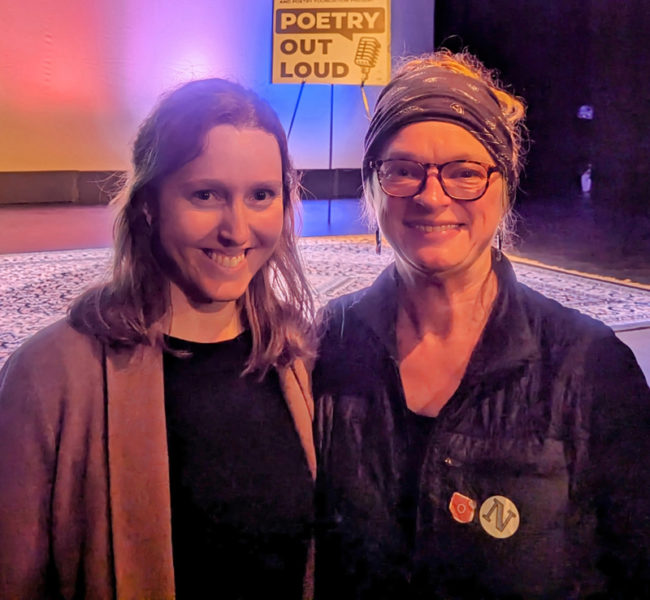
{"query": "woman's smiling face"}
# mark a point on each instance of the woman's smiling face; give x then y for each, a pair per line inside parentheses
(221, 215)
(432, 234)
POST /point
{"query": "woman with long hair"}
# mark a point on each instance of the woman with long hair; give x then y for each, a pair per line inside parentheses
(157, 442)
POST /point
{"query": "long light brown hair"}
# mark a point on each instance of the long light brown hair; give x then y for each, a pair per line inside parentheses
(130, 308)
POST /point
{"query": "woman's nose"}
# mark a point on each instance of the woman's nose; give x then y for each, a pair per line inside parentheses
(233, 225)
(432, 194)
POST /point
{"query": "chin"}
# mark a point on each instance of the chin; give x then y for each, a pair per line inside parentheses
(434, 262)
(437, 270)
(429, 268)
(225, 297)
(205, 294)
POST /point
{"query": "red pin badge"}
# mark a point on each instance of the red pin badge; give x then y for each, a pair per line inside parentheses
(462, 508)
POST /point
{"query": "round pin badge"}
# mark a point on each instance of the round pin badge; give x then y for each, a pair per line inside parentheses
(462, 508)
(499, 517)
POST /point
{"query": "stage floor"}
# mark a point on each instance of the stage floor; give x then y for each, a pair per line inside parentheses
(557, 233)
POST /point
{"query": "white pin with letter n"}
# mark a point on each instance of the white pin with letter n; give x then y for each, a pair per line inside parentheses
(499, 517)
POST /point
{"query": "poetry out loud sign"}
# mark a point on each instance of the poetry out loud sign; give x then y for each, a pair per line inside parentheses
(331, 41)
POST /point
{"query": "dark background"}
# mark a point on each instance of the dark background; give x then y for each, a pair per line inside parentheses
(558, 55)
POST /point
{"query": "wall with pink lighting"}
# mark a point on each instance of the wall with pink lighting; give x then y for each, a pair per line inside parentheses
(77, 76)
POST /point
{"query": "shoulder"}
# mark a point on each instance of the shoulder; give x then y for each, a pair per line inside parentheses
(55, 377)
(583, 344)
(345, 322)
(335, 310)
(55, 354)
(54, 342)
(365, 309)
(354, 340)
(558, 321)
(547, 319)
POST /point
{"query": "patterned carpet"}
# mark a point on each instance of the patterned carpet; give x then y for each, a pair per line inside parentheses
(36, 288)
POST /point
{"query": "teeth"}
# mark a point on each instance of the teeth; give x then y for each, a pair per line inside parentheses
(223, 259)
(430, 228)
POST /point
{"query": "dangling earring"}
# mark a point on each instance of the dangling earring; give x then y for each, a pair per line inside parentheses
(499, 253)
(377, 241)
(147, 216)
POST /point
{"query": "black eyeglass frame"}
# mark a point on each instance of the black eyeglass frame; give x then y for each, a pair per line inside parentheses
(376, 165)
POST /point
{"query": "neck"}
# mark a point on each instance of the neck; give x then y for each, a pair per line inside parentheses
(442, 304)
(205, 322)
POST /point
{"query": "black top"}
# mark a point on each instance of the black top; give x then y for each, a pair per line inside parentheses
(419, 428)
(241, 491)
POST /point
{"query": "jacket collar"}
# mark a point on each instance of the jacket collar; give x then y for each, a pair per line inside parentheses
(139, 474)
(509, 339)
(376, 307)
(507, 342)
(296, 388)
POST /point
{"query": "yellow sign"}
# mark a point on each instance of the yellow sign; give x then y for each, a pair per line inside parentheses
(331, 41)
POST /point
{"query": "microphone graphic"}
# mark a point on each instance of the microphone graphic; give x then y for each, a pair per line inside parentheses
(367, 55)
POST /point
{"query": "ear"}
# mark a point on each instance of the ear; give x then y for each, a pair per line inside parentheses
(505, 200)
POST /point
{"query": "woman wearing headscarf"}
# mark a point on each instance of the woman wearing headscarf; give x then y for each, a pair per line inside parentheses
(475, 439)
(157, 443)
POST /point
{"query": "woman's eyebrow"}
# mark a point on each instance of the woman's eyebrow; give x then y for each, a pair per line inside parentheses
(272, 183)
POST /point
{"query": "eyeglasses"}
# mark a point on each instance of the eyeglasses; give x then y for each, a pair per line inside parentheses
(460, 179)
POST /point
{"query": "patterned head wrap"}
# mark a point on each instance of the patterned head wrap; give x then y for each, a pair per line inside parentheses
(436, 94)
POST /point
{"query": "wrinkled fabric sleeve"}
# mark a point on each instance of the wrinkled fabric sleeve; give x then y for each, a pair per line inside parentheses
(28, 440)
(55, 538)
(618, 472)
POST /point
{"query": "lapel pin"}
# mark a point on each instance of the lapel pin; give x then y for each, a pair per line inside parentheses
(499, 517)
(462, 508)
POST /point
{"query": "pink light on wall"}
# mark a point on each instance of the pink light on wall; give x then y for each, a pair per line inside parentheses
(78, 76)
(51, 55)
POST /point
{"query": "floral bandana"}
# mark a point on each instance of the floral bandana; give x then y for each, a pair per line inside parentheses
(437, 94)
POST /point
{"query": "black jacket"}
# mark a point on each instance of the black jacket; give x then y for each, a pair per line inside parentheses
(553, 413)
